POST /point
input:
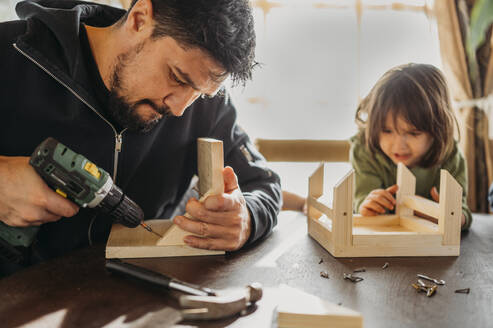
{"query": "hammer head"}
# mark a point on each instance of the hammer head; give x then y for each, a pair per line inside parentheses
(222, 306)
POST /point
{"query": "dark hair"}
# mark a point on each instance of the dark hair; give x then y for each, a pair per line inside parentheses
(418, 93)
(222, 28)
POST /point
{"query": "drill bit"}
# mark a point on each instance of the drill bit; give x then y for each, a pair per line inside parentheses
(145, 226)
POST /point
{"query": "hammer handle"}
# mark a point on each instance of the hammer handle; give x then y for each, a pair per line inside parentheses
(133, 271)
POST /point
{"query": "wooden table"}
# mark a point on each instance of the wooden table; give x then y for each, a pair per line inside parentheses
(75, 290)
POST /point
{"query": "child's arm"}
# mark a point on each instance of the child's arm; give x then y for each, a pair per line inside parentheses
(293, 202)
(370, 180)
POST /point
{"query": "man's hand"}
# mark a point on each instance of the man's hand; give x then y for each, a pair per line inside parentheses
(222, 221)
(25, 199)
(378, 201)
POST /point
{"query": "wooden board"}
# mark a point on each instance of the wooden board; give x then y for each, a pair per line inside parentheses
(133, 243)
(275, 150)
(300, 309)
(400, 234)
(137, 242)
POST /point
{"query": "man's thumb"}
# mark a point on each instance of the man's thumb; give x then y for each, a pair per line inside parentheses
(230, 179)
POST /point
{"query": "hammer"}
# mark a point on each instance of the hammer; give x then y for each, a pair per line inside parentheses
(216, 307)
(201, 303)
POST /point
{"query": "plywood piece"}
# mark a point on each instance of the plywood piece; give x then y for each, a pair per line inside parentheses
(397, 251)
(321, 207)
(342, 218)
(210, 166)
(173, 236)
(449, 220)
(322, 232)
(422, 205)
(275, 150)
(407, 187)
(315, 189)
(210, 169)
(300, 309)
(392, 234)
(418, 224)
(145, 244)
(137, 242)
(377, 220)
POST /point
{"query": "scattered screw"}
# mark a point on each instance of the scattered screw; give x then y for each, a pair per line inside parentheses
(463, 291)
(431, 290)
(324, 274)
(350, 277)
(421, 286)
(359, 270)
(418, 287)
(385, 266)
(436, 281)
(321, 260)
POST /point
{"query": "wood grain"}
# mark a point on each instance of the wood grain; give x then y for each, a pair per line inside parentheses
(402, 234)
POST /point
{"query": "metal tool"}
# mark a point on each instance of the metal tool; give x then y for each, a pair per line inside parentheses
(222, 306)
(73, 176)
(133, 271)
(200, 303)
(436, 281)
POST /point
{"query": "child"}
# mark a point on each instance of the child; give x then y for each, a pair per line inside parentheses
(405, 118)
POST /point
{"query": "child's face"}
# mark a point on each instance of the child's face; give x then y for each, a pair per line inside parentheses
(404, 143)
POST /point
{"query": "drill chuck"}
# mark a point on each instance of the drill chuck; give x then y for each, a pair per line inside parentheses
(122, 209)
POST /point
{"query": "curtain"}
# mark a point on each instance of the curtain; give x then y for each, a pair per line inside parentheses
(470, 79)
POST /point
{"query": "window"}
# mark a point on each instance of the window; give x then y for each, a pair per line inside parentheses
(319, 57)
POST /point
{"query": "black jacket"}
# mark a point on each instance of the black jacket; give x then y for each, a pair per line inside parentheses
(46, 91)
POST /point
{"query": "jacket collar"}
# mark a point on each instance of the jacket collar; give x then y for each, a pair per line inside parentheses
(52, 42)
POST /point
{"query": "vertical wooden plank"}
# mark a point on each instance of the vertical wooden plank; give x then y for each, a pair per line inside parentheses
(450, 209)
(210, 169)
(210, 166)
(342, 220)
(315, 190)
(407, 187)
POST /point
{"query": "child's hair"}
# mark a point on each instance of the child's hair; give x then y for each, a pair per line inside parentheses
(418, 93)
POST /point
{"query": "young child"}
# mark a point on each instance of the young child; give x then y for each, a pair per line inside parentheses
(406, 117)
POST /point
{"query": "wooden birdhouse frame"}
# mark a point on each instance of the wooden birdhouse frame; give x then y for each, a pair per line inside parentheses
(344, 234)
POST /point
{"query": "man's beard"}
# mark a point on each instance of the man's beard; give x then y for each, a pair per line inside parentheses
(123, 112)
(126, 116)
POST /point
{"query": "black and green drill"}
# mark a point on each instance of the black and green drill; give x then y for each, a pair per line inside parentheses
(76, 178)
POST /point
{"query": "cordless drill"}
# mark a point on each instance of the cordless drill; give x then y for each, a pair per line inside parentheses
(74, 177)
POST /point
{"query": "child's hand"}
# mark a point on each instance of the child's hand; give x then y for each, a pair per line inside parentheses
(378, 201)
(436, 197)
(434, 194)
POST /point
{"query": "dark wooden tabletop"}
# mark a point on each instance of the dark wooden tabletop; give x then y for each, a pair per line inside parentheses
(75, 290)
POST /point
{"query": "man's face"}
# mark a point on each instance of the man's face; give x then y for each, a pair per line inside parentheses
(156, 78)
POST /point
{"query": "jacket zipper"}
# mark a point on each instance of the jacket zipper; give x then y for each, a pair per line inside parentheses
(118, 136)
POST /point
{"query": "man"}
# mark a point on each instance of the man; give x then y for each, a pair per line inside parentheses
(131, 91)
